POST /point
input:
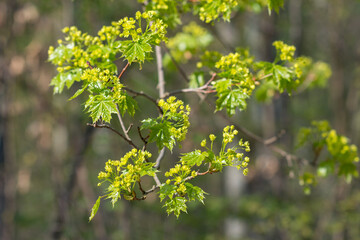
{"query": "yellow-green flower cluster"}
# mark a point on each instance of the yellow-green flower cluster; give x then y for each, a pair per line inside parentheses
(228, 156)
(284, 51)
(155, 31)
(98, 75)
(210, 10)
(234, 67)
(175, 112)
(178, 173)
(339, 146)
(124, 173)
(300, 64)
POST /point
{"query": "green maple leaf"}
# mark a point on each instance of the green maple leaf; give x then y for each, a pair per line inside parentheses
(176, 205)
(127, 104)
(166, 190)
(159, 133)
(136, 51)
(231, 99)
(61, 52)
(194, 192)
(193, 158)
(100, 106)
(65, 79)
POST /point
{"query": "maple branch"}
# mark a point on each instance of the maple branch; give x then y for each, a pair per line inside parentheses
(141, 93)
(124, 69)
(202, 89)
(267, 142)
(159, 158)
(182, 72)
(160, 70)
(96, 125)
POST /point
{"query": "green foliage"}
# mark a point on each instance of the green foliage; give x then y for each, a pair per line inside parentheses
(340, 158)
(92, 61)
(184, 45)
(178, 191)
(123, 174)
(172, 126)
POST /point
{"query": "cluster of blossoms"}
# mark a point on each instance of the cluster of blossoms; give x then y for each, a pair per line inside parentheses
(178, 173)
(97, 75)
(300, 64)
(286, 51)
(124, 173)
(229, 156)
(175, 112)
(78, 48)
(154, 32)
(235, 67)
(209, 10)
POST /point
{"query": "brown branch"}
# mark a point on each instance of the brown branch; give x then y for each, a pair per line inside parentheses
(182, 72)
(267, 143)
(203, 89)
(141, 93)
(124, 69)
(96, 125)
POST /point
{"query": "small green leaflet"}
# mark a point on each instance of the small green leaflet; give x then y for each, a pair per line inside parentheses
(94, 209)
(135, 51)
(166, 190)
(193, 158)
(231, 99)
(176, 205)
(78, 92)
(127, 104)
(65, 78)
(159, 133)
(194, 193)
(61, 52)
(100, 106)
(275, 5)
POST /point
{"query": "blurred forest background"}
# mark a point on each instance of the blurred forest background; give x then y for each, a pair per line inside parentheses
(49, 158)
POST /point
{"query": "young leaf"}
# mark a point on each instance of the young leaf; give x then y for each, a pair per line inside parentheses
(100, 106)
(127, 104)
(78, 92)
(65, 78)
(166, 190)
(193, 158)
(94, 209)
(135, 51)
(176, 205)
(194, 192)
(231, 99)
(159, 133)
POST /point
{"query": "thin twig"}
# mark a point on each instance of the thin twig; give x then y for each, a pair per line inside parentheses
(141, 93)
(283, 153)
(203, 89)
(96, 125)
(124, 69)
(182, 72)
(160, 70)
(142, 138)
(122, 123)
(159, 158)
